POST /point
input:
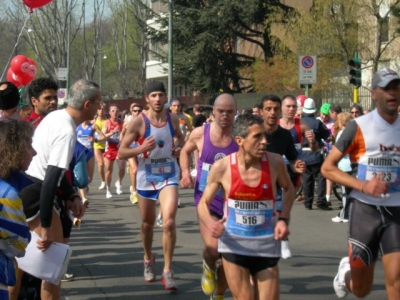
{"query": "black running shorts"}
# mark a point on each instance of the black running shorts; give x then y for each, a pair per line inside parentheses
(254, 264)
(372, 228)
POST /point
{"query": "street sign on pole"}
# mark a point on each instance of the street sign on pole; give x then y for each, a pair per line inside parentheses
(62, 73)
(62, 96)
(307, 69)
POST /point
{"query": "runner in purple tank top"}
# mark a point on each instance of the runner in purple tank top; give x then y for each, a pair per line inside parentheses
(213, 141)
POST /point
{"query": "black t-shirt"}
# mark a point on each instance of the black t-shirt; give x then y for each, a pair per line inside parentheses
(281, 142)
(199, 120)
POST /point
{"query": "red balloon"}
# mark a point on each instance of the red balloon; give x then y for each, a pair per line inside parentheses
(19, 65)
(32, 70)
(25, 79)
(36, 3)
(12, 78)
(300, 100)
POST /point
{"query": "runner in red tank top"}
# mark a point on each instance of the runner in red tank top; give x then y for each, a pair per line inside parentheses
(250, 233)
(112, 129)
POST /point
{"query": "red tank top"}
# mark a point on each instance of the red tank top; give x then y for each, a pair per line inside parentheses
(241, 191)
(250, 211)
(113, 141)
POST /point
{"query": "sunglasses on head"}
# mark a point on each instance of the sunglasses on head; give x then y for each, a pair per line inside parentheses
(114, 110)
(137, 110)
(355, 112)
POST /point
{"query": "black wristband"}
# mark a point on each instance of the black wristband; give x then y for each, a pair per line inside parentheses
(286, 220)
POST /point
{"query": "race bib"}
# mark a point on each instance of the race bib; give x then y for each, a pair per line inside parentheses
(115, 137)
(84, 140)
(159, 169)
(250, 218)
(387, 166)
(205, 171)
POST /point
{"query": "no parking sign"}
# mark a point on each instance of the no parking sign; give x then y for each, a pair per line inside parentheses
(307, 69)
(62, 95)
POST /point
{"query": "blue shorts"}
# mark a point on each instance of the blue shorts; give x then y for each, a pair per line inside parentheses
(153, 194)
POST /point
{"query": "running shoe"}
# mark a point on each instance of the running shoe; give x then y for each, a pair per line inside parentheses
(159, 221)
(179, 203)
(285, 250)
(128, 169)
(102, 186)
(168, 281)
(149, 272)
(108, 195)
(338, 219)
(85, 202)
(339, 283)
(134, 198)
(217, 297)
(208, 282)
(67, 277)
(119, 187)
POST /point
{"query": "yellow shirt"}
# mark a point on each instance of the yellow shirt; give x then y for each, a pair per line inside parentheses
(99, 145)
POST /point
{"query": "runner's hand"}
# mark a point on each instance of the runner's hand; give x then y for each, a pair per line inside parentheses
(299, 166)
(218, 228)
(376, 186)
(149, 144)
(281, 231)
(187, 182)
(176, 151)
(46, 239)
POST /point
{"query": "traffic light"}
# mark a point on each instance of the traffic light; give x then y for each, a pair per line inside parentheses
(355, 71)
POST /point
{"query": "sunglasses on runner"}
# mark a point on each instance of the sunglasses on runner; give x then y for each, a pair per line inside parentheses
(114, 110)
(137, 110)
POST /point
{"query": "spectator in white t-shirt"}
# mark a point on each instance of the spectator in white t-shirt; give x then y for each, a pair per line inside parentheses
(54, 141)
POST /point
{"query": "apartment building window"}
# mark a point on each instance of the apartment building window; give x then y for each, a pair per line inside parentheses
(385, 30)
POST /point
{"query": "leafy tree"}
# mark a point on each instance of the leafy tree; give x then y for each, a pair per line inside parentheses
(207, 35)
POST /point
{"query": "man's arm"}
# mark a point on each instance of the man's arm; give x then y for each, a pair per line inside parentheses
(216, 177)
(184, 157)
(132, 134)
(179, 137)
(309, 136)
(288, 195)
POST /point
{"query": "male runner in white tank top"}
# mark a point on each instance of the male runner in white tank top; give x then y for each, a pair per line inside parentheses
(157, 175)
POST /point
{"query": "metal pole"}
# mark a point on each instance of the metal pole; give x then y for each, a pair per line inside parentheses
(355, 94)
(100, 62)
(306, 91)
(68, 47)
(170, 50)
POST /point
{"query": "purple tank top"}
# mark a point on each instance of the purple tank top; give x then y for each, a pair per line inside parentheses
(209, 155)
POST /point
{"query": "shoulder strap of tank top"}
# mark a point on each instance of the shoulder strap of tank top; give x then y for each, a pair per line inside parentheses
(171, 127)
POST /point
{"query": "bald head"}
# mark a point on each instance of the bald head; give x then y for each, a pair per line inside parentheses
(225, 99)
(224, 111)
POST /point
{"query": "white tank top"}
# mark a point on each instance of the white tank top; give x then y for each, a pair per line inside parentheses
(157, 168)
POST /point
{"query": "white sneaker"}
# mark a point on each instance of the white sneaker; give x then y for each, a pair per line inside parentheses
(338, 219)
(339, 283)
(119, 187)
(179, 203)
(159, 221)
(108, 195)
(102, 186)
(285, 250)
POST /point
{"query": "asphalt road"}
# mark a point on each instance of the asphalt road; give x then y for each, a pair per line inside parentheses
(107, 258)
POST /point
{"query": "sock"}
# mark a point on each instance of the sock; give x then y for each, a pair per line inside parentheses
(108, 188)
(328, 198)
(159, 216)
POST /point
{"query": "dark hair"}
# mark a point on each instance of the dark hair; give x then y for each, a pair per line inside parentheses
(197, 107)
(247, 111)
(291, 97)
(37, 86)
(15, 140)
(270, 97)
(358, 107)
(244, 122)
(257, 106)
(336, 108)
